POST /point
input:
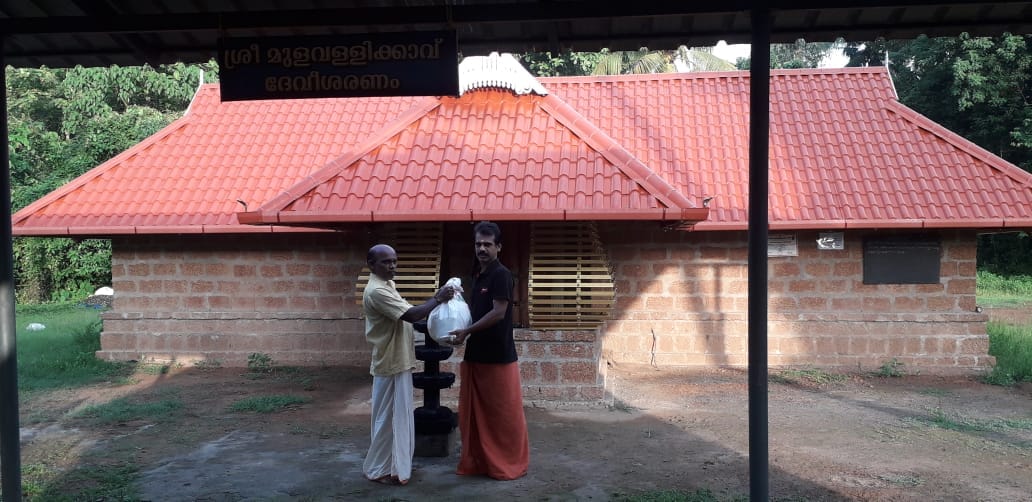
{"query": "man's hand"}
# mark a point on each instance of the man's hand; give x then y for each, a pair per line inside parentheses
(444, 294)
(459, 336)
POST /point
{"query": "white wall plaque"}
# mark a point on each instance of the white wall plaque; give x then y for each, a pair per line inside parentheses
(831, 240)
(782, 245)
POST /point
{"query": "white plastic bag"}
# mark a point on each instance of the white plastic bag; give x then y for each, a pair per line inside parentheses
(449, 316)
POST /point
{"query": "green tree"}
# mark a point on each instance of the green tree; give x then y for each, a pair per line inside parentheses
(798, 54)
(993, 88)
(566, 64)
(643, 61)
(801, 54)
(977, 87)
(63, 122)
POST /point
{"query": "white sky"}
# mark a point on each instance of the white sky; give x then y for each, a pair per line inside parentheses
(731, 53)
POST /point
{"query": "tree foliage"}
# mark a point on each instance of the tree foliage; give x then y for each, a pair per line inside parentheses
(979, 88)
(566, 64)
(798, 54)
(63, 122)
(642, 61)
(605, 62)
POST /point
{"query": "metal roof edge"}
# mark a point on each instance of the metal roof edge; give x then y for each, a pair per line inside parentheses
(101, 232)
(691, 215)
(295, 223)
(1003, 224)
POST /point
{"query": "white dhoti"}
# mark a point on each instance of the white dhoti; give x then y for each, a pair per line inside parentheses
(393, 432)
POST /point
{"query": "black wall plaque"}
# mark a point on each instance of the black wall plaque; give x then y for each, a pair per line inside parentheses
(902, 260)
(376, 64)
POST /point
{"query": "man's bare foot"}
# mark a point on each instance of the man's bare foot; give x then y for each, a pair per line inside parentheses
(389, 480)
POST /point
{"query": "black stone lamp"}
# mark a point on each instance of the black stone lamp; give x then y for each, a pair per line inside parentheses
(434, 423)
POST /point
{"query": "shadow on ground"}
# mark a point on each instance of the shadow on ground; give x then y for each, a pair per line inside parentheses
(666, 430)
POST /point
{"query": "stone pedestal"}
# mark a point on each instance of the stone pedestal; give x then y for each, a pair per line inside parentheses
(435, 424)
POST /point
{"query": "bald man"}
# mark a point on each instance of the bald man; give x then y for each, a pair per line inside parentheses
(387, 327)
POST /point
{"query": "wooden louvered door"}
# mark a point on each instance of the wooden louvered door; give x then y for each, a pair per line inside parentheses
(570, 282)
(419, 260)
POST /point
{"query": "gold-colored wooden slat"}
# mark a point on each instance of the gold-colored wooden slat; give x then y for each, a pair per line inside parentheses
(549, 275)
(574, 302)
(592, 307)
(569, 262)
(568, 250)
(588, 270)
(566, 316)
(419, 260)
(557, 324)
(570, 317)
(566, 319)
(570, 282)
(542, 286)
(569, 313)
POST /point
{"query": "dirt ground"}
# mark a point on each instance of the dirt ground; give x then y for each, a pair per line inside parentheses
(862, 437)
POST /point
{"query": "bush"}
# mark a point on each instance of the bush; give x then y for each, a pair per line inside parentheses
(1005, 254)
(1012, 347)
(59, 270)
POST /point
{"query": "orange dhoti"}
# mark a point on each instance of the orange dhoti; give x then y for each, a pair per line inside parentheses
(491, 420)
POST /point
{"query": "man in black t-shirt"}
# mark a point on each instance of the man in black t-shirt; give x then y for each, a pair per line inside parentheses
(491, 418)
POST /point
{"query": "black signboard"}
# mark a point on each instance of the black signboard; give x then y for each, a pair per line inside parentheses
(378, 64)
(902, 260)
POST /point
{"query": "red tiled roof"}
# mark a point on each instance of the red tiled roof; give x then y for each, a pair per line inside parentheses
(188, 177)
(523, 157)
(843, 154)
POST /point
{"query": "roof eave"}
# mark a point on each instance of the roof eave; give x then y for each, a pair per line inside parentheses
(685, 215)
(1002, 224)
(102, 232)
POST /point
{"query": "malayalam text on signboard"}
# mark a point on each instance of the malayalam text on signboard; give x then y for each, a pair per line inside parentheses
(380, 64)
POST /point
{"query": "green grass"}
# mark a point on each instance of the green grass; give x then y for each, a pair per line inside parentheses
(890, 369)
(932, 391)
(1012, 346)
(62, 355)
(668, 496)
(266, 404)
(807, 375)
(123, 410)
(998, 291)
(700, 495)
(957, 423)
(107, 481)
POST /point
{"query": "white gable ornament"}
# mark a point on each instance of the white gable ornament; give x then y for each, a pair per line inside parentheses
(497, 71)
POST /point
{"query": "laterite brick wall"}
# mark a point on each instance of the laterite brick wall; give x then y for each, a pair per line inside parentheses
(220, 299)
(216, 300)
(682, 300)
